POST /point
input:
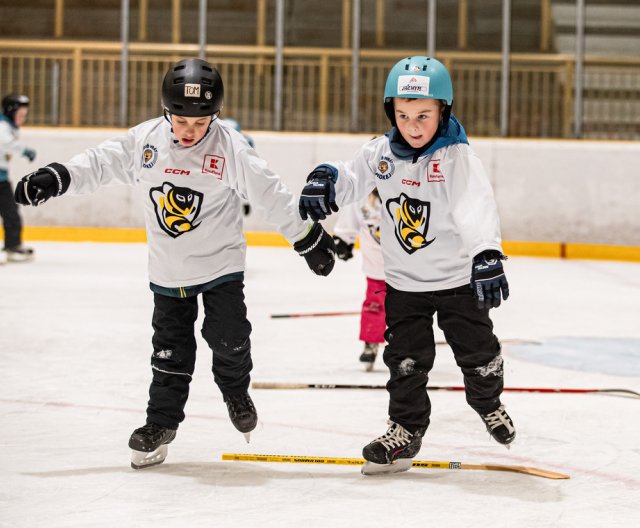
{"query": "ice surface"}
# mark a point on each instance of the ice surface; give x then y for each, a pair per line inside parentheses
(75, 330)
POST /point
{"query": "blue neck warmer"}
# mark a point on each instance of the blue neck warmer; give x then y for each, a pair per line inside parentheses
(453, 134)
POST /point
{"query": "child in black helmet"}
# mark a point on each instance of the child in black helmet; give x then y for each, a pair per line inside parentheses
(195, 170)
(14, 114)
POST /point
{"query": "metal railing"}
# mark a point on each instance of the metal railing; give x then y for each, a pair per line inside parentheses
(78, 84)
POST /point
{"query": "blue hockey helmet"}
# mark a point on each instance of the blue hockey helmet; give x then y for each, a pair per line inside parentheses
(234, 124)
(418, 77)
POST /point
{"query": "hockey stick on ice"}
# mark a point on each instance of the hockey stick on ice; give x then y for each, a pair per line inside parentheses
(416, 463)
(318, 314)
(614, 392)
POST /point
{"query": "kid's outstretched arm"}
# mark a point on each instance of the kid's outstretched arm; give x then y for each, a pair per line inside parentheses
(48, 182)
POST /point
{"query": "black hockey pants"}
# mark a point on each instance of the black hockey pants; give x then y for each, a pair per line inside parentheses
(10, 217)
(225, 329)
(411, 351)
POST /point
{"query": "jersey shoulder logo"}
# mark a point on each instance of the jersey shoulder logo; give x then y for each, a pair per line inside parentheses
(386, 168)
(177, 208)
(411, 221)
(149, 156)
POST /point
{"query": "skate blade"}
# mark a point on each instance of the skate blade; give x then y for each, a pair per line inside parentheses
(368, 367)
(247, 437)
(398, 466)
(142, 459)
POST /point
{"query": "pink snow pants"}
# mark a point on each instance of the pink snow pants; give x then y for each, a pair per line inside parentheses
(372, 323)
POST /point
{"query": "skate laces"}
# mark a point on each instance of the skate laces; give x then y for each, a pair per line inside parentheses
(240, 403)
(152, 430)
(396, 436)
(497, 418)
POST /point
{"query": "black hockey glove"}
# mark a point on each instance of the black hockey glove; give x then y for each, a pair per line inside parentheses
(488, 279)
(318, 196)
(29, 153)
(48, 182)
(344, 251)
(318, 249)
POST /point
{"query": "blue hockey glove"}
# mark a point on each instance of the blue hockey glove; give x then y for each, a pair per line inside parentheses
(29, 153)
(488, 279)
(318, 249)
(37, 187)
(344, 251)
(318, 197)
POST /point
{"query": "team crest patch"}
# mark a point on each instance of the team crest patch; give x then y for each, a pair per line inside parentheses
(177, 208)
(149, 156)
(213, 164)
(434, 174)
(386, 168)
(411, 221)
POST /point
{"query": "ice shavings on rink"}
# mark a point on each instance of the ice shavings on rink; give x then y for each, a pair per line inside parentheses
(75, 331)
(605, 355)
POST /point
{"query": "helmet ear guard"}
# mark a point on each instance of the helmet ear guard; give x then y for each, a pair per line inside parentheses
(418, 77)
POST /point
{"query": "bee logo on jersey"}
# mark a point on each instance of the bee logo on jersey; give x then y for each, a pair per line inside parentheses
(176, 208)
(411, 218)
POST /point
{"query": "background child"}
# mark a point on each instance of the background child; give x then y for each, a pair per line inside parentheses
(363, 219)
(194, 170)
(441, 242)
(14, 114)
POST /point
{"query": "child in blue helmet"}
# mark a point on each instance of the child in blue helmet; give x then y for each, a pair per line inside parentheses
(440, 237)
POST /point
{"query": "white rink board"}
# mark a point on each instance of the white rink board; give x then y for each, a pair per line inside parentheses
(547, 191)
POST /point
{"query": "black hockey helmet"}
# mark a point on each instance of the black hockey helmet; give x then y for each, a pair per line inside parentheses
(11, 103)
(192, 88)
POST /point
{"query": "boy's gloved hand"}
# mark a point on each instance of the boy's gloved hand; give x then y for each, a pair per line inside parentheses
(48, 182)
(488, 279)
(344, 251)
(318, 197)
(318, 250)
(29, 153)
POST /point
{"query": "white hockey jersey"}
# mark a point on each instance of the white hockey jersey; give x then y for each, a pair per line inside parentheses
(363, 219)
(437, 212)
(9, 145)
(192, 197)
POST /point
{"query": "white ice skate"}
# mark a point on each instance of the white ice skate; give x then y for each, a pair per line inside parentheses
(368, 356)
(397, 466)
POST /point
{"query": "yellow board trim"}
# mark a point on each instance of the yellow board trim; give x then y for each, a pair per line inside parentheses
(260, 238)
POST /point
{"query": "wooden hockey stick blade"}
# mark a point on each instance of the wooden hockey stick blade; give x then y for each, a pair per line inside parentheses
(430, 464)
(268, 385)
(319, 314)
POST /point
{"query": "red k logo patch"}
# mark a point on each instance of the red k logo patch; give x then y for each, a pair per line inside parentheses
(213, 164)
(433, 172)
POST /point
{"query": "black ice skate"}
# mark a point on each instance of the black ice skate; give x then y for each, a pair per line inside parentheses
(242, 413)
(368, 356)
(500, 426)
(392, 452)
(149, 445)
